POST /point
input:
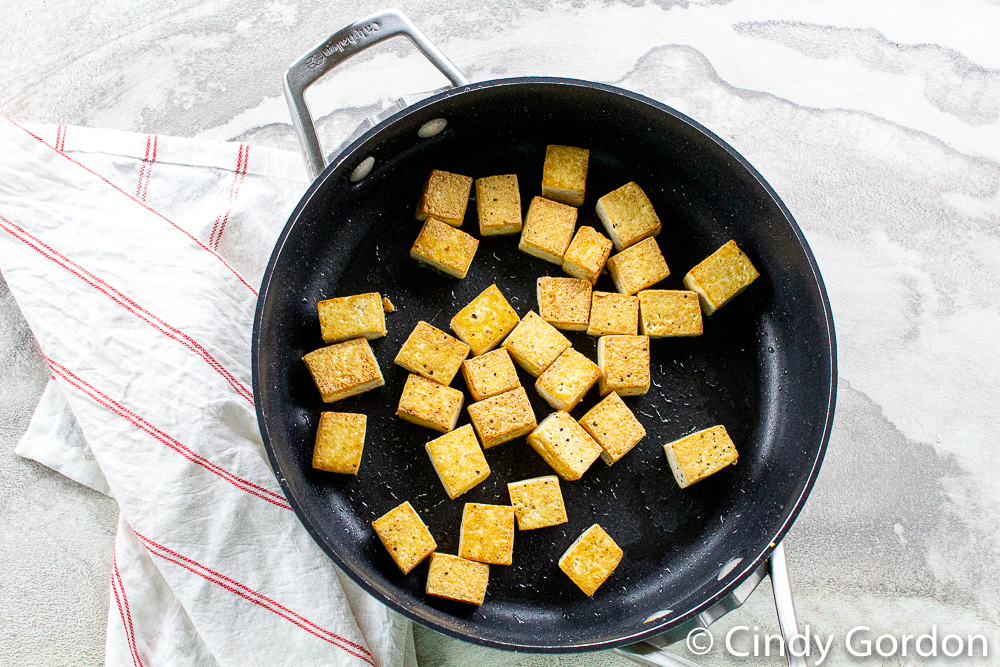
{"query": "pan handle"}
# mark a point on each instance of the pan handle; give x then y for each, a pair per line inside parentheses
(336, 49)
(784, 605)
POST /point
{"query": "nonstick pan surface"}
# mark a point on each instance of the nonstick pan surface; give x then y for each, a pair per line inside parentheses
(765, 366)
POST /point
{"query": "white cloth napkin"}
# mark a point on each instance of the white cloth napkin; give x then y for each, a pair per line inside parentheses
(135, 260)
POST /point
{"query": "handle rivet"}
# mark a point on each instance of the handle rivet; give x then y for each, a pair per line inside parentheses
(432, 127)
(362, 169)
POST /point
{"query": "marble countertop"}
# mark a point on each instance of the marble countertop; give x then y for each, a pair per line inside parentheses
(877, 123)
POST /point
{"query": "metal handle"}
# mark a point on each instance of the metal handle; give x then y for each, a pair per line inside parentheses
(782, 587)
(336, 49)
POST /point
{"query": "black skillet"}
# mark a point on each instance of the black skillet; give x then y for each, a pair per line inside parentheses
(765, 366)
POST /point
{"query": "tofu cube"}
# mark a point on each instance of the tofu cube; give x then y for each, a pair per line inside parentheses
(613, 313)
(444, 248)
(628, 216)
(624, 362)
(565, 446)
(458, 460)
(614, 427)
(638, 267)
(534, 344)
(454, 578)
(721, 276)
(537, 502)
(487, 534)
(498, 201)
(445, 197)
(564, 384)
(404, 536)
(432, 353)
(664, 313)
(564, 174)
(548, 229)
(344, 369)
(485, 321)
(427, 403)
(503, 417)
(591, 559)
(564, 302)
(340, 439)
(490, 374)
(696, 456)
(347, 317)
(587, 254)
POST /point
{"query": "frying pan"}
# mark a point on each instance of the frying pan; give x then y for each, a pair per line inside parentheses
(765, 366)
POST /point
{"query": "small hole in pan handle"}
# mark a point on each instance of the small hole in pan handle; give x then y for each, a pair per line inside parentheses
(336, 49)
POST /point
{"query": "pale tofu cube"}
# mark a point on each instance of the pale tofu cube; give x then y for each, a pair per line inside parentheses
(636, 268)
(340, 439)
(721, 276)
(614, 427)
(565, 445)
(458, 460)
(498, 201)
(537, 502)
(454, 578)
(624, 363)
(628, 216)
(485, 321)
(696, 456)
(564, 302)
(344, 369)
(404, 536)
(445, 197)
(534, 344)
(432, 353)
(664, 312)
(427, 403)
(613, 313)
(564, 384)
(444, 248)
(591, 559)
(564, 174)
(490, 374)
(548, 229)
(587, 254)
(487, 534)
(347, 317)
(503, 417)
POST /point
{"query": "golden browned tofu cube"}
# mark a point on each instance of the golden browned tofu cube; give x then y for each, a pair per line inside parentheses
(565, 446)
(344, 369)
(537, 502)
(624, 363)
(405, 536)
(503, 417)
(427, 403)
(490, 374)
(613, 313)
(347, 317)
(628, 216)
(548, 229)
(638, 267)
(591, 559)
(564, 302)
(444, 248)
(454, 578)
(564, 384)
(587, 254)
(614, 427)
(721, 276)
(696, 456)
(340, 439)
(564, 174)
(487, 534)
(432, 353)
(445, 197)
(485, 321)
(498, 201)
(458, 460)
(534, 344)
(664, 312)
